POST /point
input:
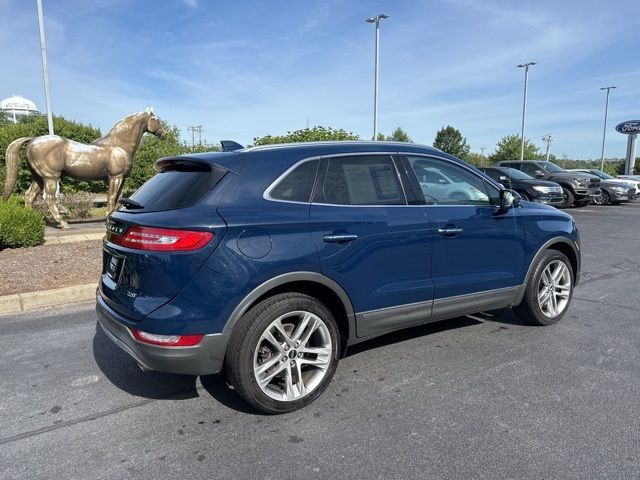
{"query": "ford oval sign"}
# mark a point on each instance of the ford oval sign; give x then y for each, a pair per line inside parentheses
(629, 127)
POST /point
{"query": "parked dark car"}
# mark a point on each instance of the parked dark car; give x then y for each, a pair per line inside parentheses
(579, 189)
(613, 190)
(531, 189)
(268, 262)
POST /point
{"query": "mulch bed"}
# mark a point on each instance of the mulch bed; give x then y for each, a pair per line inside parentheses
(46, 267)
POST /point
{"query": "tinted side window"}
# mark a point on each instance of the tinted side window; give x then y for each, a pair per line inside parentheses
(495, 174)
(444, 183)
(297, 185)
(362, 180)
(529, 168)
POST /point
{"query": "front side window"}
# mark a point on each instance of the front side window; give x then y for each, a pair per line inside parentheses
(551, 167)
(362, 180)
(444, 183)
(297, 185)
(530, 168)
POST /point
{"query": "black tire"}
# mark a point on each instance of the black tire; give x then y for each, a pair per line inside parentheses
(244, 342)
(568, 198)
(529, 308)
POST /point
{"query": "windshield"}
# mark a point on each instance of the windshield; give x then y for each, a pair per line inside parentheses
(604, 176)
(551, 167)
(516, 174)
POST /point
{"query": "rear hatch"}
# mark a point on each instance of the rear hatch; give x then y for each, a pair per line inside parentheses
(159, 237)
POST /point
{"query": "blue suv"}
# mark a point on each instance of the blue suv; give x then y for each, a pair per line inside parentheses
(270, 261)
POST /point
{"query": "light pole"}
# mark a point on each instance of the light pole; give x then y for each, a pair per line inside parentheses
(604, 131)
(524, 104)
(547, 139)
(376, 20)
(45, 68)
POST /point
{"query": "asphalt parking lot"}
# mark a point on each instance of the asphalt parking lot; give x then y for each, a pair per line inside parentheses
(473, 397)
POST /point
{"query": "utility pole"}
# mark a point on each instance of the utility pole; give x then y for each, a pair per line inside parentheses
(482, 149)
(376, 20)
(604, 131)
(524, 104)
(195, 129)
(547, 140)
(45, 67)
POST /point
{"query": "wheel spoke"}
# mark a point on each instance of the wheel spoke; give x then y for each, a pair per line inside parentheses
(558, 272)
(266, 379)
(278, 326)
(289, 392)
(546, 277)
(554, 305)
(268, 364)
(302, 390)
(300, 329)
(268, 336)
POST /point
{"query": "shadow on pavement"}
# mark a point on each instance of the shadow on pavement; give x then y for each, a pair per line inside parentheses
(217, 387)
(121, 370)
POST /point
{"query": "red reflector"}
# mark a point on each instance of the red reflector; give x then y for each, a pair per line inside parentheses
(160, 239)
(167, 340)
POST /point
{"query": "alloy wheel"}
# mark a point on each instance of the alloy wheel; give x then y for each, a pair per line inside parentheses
(554, 288)
(292, 356)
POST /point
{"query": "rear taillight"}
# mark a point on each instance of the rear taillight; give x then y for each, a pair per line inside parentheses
(166, 340)
(160, 239)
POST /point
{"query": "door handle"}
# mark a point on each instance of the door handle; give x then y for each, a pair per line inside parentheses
(340, 238)
(450, 231)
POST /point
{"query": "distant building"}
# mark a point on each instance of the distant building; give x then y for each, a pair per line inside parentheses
(17, 106)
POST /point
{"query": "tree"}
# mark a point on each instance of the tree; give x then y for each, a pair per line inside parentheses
(477, 159)
(398, 135)
(4, 118)
(315, 134)
(508, 148)
(451, 141)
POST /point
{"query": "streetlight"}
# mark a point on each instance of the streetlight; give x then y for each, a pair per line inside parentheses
(547, 139)
(524, 104)
(604, 131)
(45, 69)
(376, 20)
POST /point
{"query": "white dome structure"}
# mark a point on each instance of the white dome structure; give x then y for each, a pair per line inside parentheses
(17, 106)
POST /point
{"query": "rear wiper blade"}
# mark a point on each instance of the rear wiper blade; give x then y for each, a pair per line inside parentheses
(127, 202)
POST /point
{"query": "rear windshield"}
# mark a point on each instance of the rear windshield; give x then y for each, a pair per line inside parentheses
(177, 184)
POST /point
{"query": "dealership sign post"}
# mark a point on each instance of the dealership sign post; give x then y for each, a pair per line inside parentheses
(631, 128)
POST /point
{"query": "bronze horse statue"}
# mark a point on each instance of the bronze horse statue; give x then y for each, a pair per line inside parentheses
(109, 157)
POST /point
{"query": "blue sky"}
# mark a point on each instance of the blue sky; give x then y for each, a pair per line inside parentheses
(247, 68)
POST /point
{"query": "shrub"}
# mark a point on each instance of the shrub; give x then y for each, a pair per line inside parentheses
(19, 226)
(72, 206)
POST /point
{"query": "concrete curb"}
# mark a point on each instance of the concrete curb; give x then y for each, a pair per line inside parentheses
(81, 237)
(23, 302)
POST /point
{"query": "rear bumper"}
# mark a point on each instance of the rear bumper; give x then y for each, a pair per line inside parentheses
(203, 359)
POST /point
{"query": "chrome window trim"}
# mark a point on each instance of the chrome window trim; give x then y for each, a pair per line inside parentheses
(267, 193)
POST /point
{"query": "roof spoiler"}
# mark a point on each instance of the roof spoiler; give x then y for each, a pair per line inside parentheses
(230, 146)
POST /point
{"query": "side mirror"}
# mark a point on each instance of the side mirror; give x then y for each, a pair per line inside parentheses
(539, 174)
(507, 199)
